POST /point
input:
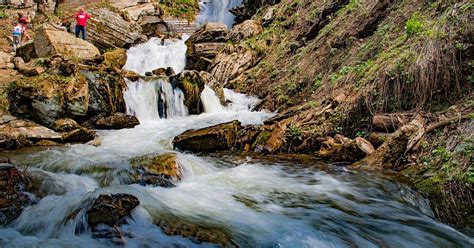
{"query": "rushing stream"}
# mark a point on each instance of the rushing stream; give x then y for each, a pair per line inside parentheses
(258, 202)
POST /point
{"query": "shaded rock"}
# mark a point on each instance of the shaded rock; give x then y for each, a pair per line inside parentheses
(110, 30)
(46, 98)
(65, 125)
(109, 209)
(215, 138)
(245, 30)
(105, 92)
(29, 69)
(342, 149)
(163, 170)
(13, 198)
(80, 135)
(117, 121)
(192, 85)
(50, 41)
(27, 51)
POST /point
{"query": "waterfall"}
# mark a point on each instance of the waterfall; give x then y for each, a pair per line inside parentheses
(217, 11)
(157, 53)
(210, 101)
(152, 99)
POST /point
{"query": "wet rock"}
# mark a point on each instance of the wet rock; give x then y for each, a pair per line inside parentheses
(117, 121)
(105, 92)
(165, 72)
(109, 209)
(192, 85)
(197, 232)
(245, 30)
(17, 133)
(131, 75)
(50, 41)
(80, 135)
(204, 45)
(65, 125)
(13, 198)
(211, 139)
(215, 85)
(43, 184)
(47, 143)
(162, 170)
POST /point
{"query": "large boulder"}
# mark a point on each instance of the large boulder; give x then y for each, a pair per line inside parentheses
(162, 170)
(115, 59)
(204, 45)
(46, 97)
(110, 30)
(211, 139)
(192, 84)
(109, 209)
(105, 92)
(50, 41)
(117, 121)
(13, 199)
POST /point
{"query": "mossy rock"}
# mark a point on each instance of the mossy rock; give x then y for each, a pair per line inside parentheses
(162, 170)
(192, 84)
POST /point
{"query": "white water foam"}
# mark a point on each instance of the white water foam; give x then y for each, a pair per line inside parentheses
(157, 53)
(217, 11)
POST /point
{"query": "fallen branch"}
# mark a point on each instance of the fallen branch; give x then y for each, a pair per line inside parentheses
(448, 121)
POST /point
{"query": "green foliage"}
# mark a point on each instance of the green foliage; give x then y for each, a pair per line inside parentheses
(413, 26)
(3, 15)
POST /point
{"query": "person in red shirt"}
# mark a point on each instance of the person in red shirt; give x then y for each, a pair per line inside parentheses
(81, 23)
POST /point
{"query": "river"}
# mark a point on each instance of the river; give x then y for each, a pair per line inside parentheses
(258, 202)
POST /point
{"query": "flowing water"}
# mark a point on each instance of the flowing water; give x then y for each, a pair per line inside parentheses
(217, 11)
(256, 202)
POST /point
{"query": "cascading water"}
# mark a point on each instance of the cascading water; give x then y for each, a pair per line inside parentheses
(256, 202)
(217, 11)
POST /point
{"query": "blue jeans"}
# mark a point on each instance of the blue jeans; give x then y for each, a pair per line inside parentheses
(80, 29)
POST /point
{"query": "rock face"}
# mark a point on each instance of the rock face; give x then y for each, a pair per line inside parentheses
(245, 30)
(192, 85)
(109, 209)
(50, 41)
(204, 45)
(215, 138)
(105, 92)
(12, 196)
(231, 62)
(117, 121)
(110, 30)
(163, 170)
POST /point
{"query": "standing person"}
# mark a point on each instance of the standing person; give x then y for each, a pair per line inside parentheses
(81, 23)
(23, 21)
(16, 35)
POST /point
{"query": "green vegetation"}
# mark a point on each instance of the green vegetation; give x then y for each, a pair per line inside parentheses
(413, 25)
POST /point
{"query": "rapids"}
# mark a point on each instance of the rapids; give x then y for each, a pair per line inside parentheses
(258, 202)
